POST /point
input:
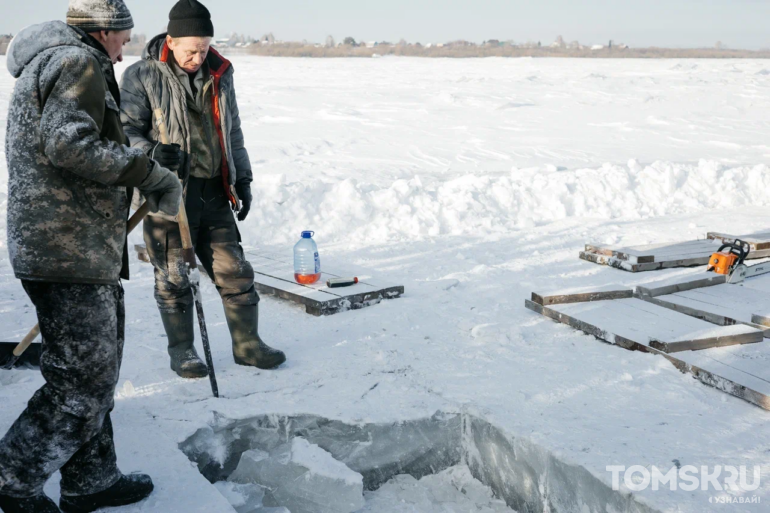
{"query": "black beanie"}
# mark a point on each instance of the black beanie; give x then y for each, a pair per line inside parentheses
(190, 18)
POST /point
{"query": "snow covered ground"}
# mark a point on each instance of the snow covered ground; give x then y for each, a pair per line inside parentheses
(472, 183)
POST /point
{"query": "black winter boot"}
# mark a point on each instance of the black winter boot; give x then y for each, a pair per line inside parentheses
(248, 347)
(180, 329)
(39, 504)
(129, 489)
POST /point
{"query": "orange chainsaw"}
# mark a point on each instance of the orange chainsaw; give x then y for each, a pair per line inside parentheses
(731, 262)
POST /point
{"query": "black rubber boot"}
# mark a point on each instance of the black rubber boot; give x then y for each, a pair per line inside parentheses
(180, 329)
(39, 504)
(129, 489)
(248, 347)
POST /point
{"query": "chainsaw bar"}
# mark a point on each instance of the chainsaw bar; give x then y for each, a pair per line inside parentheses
(742, 272)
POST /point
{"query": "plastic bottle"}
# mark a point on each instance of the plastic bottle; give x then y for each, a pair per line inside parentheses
(307, 264)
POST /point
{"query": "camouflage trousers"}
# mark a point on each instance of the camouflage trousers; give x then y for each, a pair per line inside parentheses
(67, 425)
(217, 244)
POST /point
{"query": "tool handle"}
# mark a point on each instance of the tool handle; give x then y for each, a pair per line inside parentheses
(738, 248)
(27, 341)
(135, 220)
(188, 251)
(160, 122)
(138, 217)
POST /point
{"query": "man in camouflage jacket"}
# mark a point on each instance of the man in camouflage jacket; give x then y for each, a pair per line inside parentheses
(70, 176)
(192, 85)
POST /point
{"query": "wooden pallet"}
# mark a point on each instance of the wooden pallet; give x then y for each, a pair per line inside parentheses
(729, 358)
(655, 257)
(274, 274)
(715, 301)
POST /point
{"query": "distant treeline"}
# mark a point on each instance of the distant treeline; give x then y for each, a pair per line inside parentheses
(462, 49)
(300, 50)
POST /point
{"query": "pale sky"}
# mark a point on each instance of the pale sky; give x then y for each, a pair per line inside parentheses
(673, 23)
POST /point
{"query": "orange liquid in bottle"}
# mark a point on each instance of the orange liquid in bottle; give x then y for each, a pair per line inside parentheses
(307, 279)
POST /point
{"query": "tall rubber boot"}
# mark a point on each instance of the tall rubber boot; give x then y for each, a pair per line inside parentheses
(129, 489)
(248, 347)
(180, 329)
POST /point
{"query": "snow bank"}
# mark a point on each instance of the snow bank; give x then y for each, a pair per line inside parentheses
(486, 204)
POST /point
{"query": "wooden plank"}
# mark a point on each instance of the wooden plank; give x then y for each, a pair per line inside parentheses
(274, 275)
(713, 300)
(720, 318)
(141, 253)
(584, 326)
(710, 338)
(666, 288)
(654, 326)
(581, 297)
(652, 252)
(758, 241)
(734, 294)
(655, 257)
(709, 366)
(605, 260)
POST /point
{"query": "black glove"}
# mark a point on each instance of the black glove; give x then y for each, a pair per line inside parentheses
(243, 190)
(167, 155)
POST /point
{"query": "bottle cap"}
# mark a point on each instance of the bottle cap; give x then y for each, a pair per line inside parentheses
(307, 235)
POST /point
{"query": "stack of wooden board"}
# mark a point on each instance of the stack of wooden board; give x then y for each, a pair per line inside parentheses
(274, 274)
(705, 327)
(665, 256)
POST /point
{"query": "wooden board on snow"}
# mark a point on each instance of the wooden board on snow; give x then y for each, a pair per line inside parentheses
(739, 370)
(757, 241)
(654, 257)
(625, 321)
(583, 296)
(715, 301)
(274, 274)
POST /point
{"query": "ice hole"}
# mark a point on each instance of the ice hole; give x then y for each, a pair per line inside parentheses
(448, 462)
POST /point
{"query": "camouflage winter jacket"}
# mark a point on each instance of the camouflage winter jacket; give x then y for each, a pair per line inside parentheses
(68, 166)
(152, 84)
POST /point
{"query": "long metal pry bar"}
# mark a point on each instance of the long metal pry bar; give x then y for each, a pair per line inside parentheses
(188, 255)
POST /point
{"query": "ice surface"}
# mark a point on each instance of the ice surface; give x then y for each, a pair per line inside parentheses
(452, 491)
(377, 451)
(303, 478)
(244, 497)
(321, 463)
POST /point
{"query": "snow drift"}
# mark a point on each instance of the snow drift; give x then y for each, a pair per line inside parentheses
(488, 204)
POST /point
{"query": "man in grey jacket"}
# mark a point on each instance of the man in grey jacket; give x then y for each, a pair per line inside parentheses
(70, 175)
(192, 85)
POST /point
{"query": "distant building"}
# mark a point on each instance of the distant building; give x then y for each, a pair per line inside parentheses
(4, 42)
(559, 43)
(268, 39)
(597, 47)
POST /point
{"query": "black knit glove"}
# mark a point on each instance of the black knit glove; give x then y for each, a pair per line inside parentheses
(243, 189)
(167, 155)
